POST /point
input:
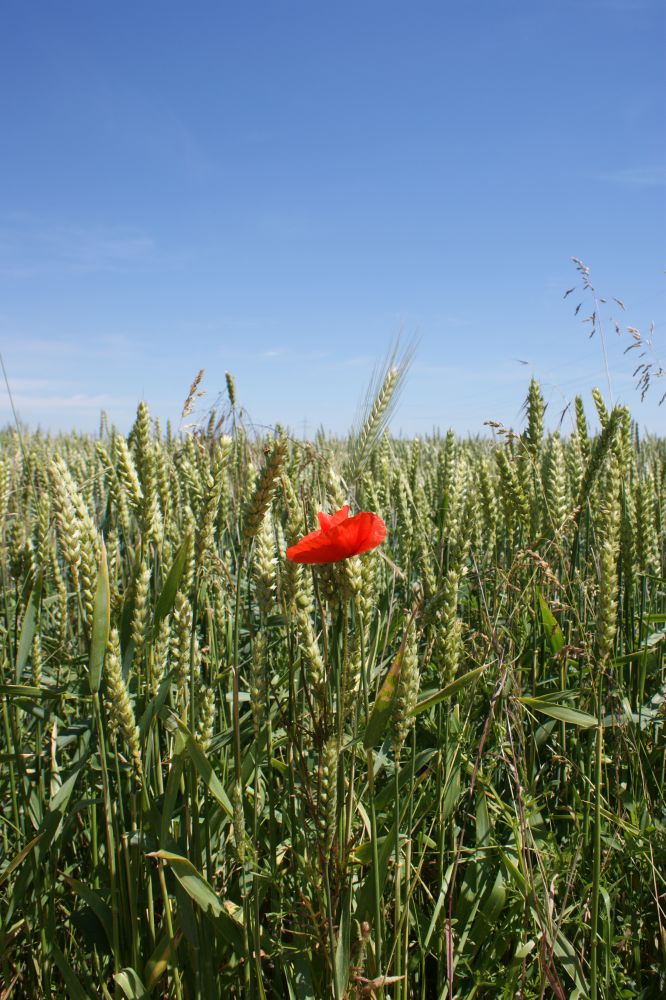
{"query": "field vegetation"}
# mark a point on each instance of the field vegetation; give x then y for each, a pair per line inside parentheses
(435, 770)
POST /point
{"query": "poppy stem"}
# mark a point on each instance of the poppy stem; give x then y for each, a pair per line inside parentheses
(373, 817)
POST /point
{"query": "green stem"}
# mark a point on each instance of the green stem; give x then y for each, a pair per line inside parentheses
(247, 974)
(596, 864)
(398, 875)
(110, 840)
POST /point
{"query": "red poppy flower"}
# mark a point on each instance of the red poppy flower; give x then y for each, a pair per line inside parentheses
(339, 537)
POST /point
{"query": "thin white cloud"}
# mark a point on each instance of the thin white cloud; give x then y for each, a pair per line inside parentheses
(26, 403)
(278, 352)
(456, 321)
(24, 350)
(316, 355)
(637, 176)
(31, 246)
(273, 354)
(474, 375)
(328, 362)
(18, 385)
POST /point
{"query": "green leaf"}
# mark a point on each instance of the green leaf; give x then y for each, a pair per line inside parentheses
(158, 962)
(648, 647)
(101, 623)
(29, 691)
(75, 990)
(167, 598)
(170, 797)
(381, 710)
(49, 830)
(438, 907)
(101, 909)
(554, 636)
(155, 705)
(483, 826)
(492, 904)
(569, 961)
(342, 950)
(446, 692)
(366, 894)
(560, 712)
(202, 893)
(15, 862)
(131, 985)
(205, 771)
(192, 881)
(29, 627)
(386, 796)
(203, 766)
(655, 638)
(299, 977)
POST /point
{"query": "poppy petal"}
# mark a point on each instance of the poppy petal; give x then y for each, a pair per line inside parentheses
(349, 537)
(328, 521)
(340, 516)
(358, 534)
(307, 540)
(312, 553)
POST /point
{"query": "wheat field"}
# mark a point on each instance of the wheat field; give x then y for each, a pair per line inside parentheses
(435, 770)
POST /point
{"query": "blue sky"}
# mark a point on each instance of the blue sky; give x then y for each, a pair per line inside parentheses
(280, 189)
